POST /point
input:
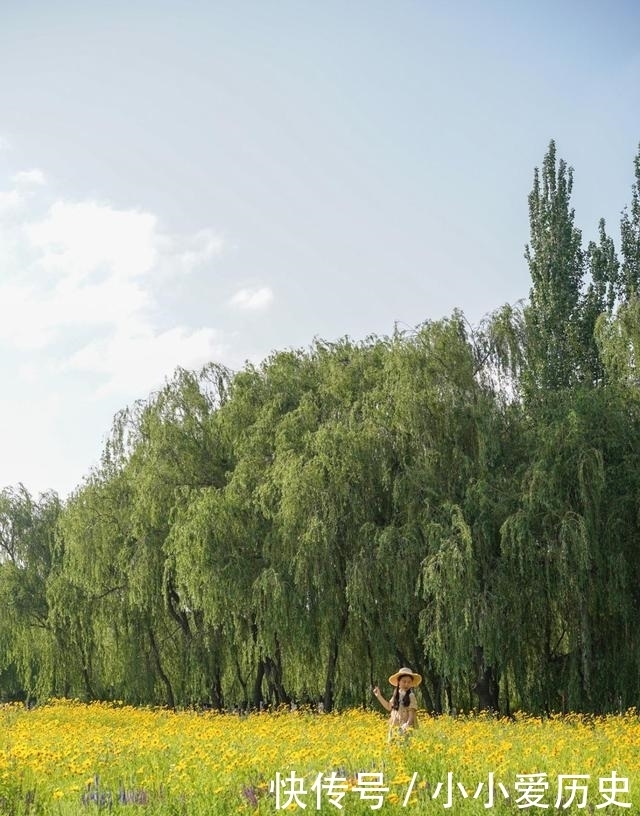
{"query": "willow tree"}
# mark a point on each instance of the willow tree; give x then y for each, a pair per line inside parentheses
(618, 338)
(407, 428)
(28, 558)
(240, 584)
(216, 545)
(115, 531)
(174, 451)
(91, 593)
(296, 466)
(448, 470)
(569, 567)
(330, 495)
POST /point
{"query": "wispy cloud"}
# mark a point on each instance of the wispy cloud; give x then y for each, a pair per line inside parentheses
(31, 443)
(77, 240)
(187, 253)
(29, 178)
(253, 299)
(137, 354)
(14, 200)
(10, 201)
(80, 282)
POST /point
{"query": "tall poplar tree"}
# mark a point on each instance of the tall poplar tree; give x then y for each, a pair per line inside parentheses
(556, 263)
(599, 299)
(630, 241)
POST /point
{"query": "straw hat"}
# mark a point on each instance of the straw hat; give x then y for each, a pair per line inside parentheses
(416, 678)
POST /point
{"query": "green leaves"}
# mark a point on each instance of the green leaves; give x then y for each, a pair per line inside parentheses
(630, 241)
(461, 500)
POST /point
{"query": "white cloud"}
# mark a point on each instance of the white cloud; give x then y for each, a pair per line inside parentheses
(81, 263)
(14, 201)
(253, 299)
(136, 361)
(77, 239)
(30, 178)
(24, 317)
(10, 201)
(24, 447)
(191, 252)
(89, 269)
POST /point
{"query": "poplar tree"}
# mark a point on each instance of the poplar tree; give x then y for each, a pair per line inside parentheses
(630, 241)
(598, 300)
(556, 264)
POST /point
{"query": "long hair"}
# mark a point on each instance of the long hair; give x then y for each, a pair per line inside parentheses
(395, 700)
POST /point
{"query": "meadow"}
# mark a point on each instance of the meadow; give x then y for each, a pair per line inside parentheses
(68, 757)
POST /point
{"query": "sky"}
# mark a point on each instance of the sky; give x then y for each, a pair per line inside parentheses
(186, 182)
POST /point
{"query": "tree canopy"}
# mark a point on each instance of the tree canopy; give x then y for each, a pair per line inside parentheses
(463, 500)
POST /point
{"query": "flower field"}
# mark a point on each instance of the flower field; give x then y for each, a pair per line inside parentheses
(71, 758)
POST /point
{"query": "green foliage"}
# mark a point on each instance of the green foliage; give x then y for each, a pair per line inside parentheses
(556, 264)
(629, 285)
(463, 501)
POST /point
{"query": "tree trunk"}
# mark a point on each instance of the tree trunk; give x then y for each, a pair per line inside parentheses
(217, 699)
(273, 673)
(257, 686)
(329, 686)
(171, 700)
(433, 703)
(486, 686)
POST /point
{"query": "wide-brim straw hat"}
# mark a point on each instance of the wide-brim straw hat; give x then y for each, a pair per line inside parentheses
(416, 678)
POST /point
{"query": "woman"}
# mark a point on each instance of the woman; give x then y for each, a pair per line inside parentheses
(403, 704)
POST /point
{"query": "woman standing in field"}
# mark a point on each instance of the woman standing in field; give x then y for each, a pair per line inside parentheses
(403, 705)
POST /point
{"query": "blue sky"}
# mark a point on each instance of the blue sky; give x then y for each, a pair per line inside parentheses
(194, 181)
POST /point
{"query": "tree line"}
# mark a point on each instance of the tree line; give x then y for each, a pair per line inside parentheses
(463, 500)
